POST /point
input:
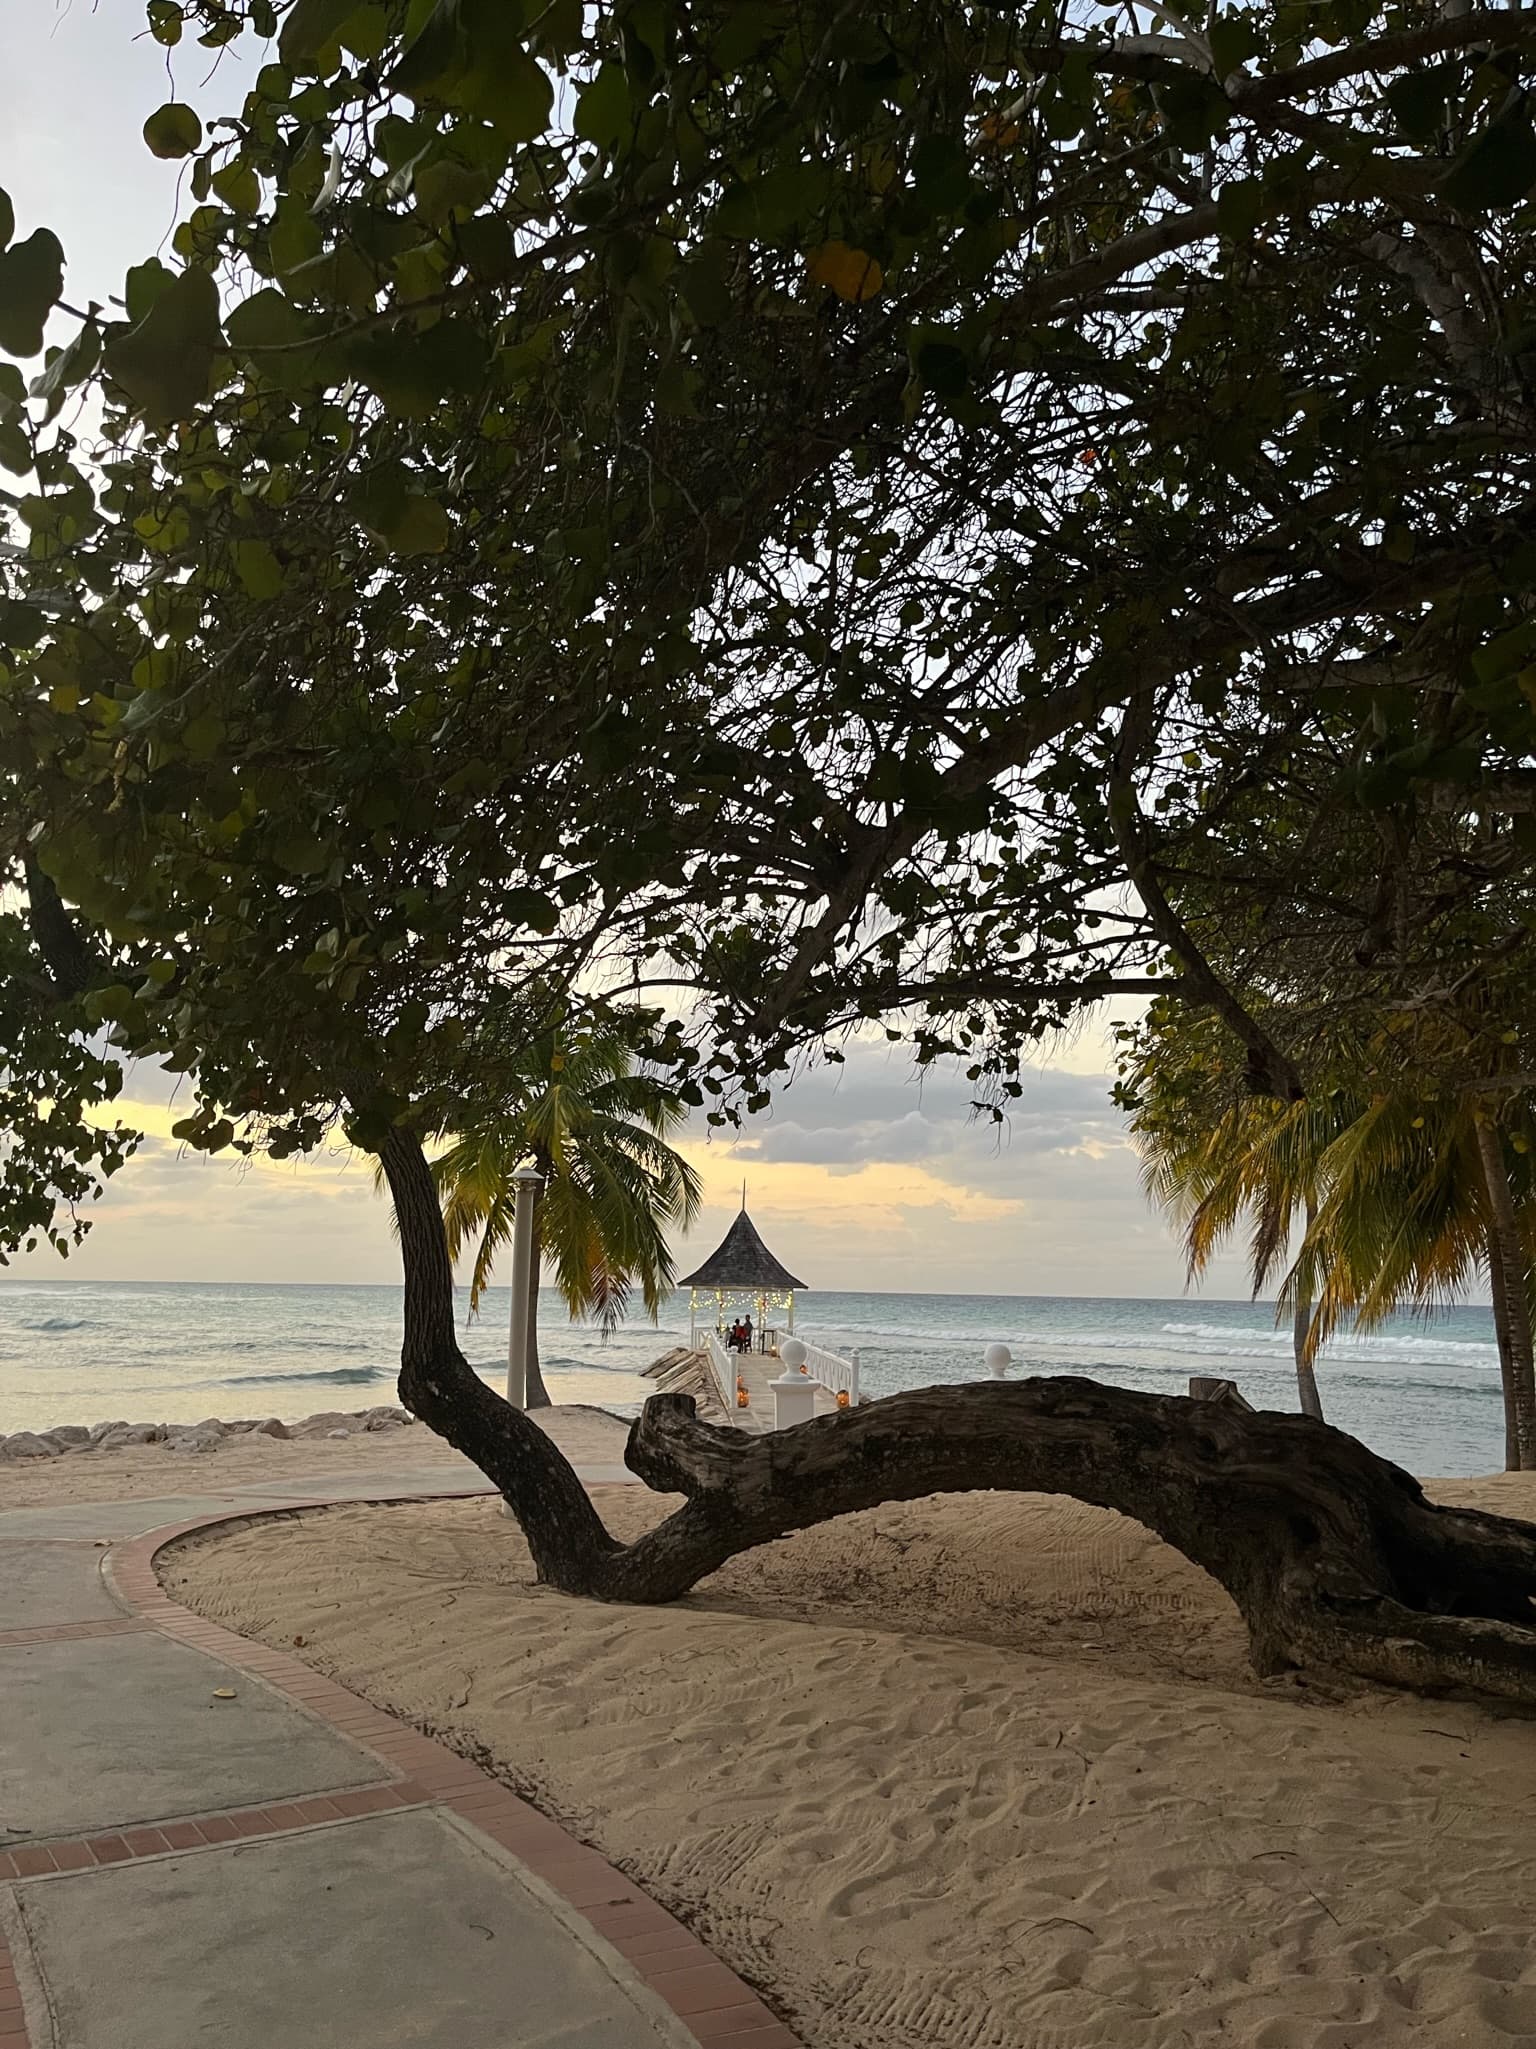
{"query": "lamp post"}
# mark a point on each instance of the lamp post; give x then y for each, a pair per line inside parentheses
(527, 1182)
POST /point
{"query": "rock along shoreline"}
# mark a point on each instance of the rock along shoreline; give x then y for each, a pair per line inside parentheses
(70, 1439)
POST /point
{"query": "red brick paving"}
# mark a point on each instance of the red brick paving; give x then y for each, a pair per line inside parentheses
(13, 2022)
(718, 2009)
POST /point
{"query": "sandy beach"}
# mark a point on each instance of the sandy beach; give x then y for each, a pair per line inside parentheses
(984, 1771)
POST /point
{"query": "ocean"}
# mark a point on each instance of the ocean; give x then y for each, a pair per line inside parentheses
(1424, 1394)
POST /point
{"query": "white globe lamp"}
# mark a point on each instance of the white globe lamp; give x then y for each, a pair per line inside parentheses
(792, 1352)
(999, 1359)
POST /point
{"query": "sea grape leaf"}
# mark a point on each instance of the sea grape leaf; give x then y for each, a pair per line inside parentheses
(164, 362)
(31, 279)
(173, 130)
(1498, 166)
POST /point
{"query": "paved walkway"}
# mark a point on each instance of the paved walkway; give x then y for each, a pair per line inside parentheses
(203, 1842)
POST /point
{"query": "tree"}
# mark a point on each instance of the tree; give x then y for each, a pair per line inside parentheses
(1406, 1194)
(1260, 1158)
(782, 531)
(596, 1130)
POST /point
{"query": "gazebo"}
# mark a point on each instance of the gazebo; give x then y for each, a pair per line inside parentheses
(741, 1273)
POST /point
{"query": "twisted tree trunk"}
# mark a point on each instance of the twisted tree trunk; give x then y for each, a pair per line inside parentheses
(437, 1383)
(1333, 1556)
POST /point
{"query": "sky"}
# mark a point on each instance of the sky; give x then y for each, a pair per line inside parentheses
(859, 1178)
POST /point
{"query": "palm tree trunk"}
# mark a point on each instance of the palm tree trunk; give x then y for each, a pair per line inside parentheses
(1301, 1320)
(1306, 1378)
(536, 1394)
(1509, 1285)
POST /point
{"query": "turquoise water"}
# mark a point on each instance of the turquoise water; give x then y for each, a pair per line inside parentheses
(1426, 1395)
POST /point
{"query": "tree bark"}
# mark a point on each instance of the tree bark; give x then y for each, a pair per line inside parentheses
(1301, 1320)
(437, 1383)
(1509, 1281)
(1333, 1556)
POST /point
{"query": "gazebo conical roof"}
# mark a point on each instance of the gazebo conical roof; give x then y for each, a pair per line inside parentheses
(742, 1260)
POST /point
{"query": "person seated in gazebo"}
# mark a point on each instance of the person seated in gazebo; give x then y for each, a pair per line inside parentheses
(738, 1338)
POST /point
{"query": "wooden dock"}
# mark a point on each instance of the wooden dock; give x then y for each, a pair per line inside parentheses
(686, 1372)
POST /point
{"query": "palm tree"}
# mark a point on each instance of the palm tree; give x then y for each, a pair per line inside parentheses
(596, 1129)
(1421, 1195)
(1403, 1201)
(1260, 1159)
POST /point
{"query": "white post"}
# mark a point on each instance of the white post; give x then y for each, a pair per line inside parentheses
(526, 1181)
(853, 1380)
(794, 1399)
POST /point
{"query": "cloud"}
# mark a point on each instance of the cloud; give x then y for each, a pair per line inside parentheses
(876, 1108)
(865, 1176)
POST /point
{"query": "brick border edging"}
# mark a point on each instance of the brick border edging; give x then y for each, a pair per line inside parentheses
(716, 2006)
(13, 2020)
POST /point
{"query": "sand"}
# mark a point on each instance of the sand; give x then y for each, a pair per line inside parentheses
(139, 1473)
(986, 1772)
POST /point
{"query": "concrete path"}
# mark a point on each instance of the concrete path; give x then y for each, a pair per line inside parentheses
(204, 1842)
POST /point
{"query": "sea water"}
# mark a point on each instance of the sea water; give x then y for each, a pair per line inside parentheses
(1425, 1394)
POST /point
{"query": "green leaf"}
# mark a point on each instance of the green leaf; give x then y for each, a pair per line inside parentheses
(434, 53)
(704, 285)
(1240, 206)
(203, 736)
(941, 364)
(257, 568)
(270, 332)
(1498, 167)
(301, 853)
(239, 187)
(604, 112)
(164, 363)
(165, 22)
(1504, 655)
(486, 246)
(941, 173)
(421, 527)
(146, 281)
(68, 367)
(773, 205)
(173, 130)
(309, 26)
(1417, 101)
(31, 279)
(1195, 110)
(1233, 40)
(532, 908)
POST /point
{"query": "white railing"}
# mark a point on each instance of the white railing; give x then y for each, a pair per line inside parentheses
(840, 1376)
(723, 1366)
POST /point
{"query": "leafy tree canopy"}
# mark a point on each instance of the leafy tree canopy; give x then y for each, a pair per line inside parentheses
(825, 506)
